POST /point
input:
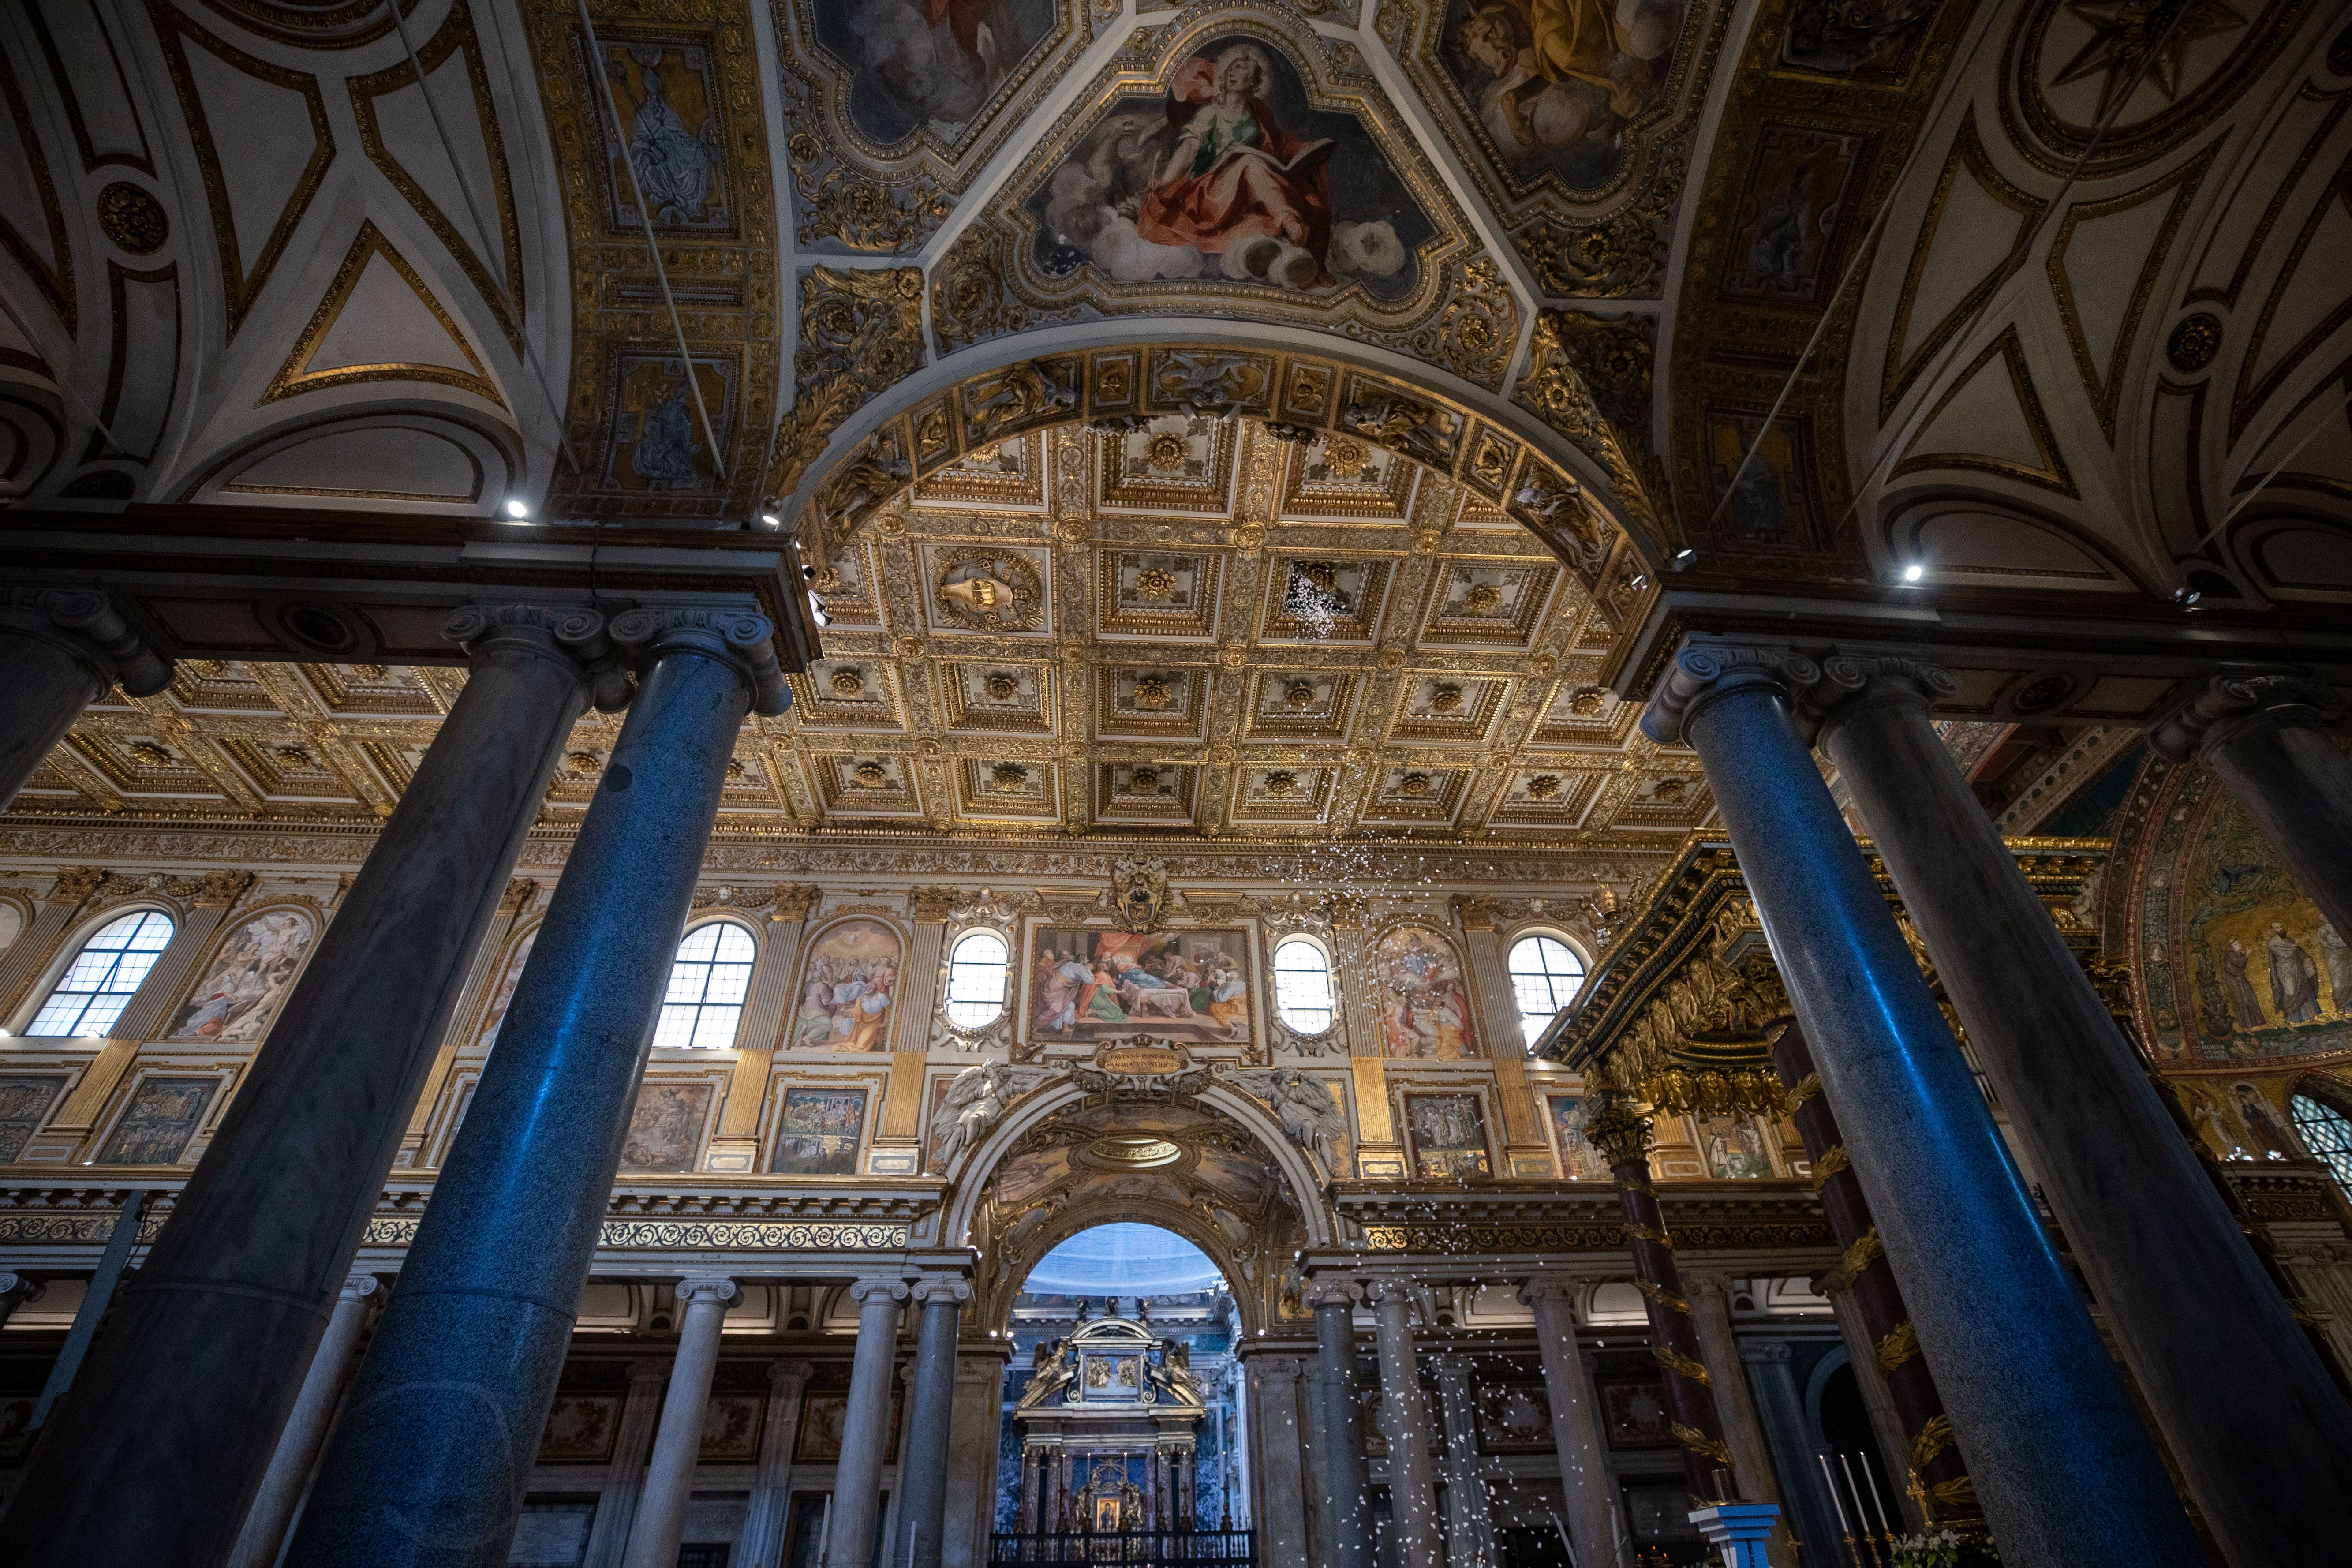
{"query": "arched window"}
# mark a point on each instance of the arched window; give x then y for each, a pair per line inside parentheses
(976, 977)
(1544, 974)
(2327, 1132)
(707, 986)
(94, 988)
(1302, 985)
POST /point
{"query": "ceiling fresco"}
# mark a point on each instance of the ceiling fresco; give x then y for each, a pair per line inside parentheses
(2040, 289)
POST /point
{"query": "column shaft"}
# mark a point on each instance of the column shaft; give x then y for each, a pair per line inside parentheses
(1412, 1483)
(1579, 1439)
(865, 1425)
(1926, 1449)
(1806, 1502)
(1470, 1524)
(2066, 1471)
(2261, 1435)
(678, 1442)
(240, 1283)
(763, 1540)
(306, 1429)
(1743, 1434)
(435, 1452)
(59, 651)
(924, 1487)
(1344, 1479)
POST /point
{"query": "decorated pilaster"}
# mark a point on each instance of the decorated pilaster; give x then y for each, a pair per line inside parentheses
(1621, 1132)
(736, 1145)
(1525, 1154)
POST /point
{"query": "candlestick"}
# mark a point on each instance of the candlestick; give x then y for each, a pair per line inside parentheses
(1876, 1503)
(1844, 1526)
(1845, 1462)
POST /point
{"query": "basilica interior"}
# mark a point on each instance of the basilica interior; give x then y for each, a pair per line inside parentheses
(1598, 744)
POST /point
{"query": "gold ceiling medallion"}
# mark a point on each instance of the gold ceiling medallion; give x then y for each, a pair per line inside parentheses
(1155, 583)
(848, 683)
(1153, 693)
(1300, 694)
(1344, 458)
(1167, 452)
(1134, 1150)
(1445, 699)
(295, 377)
(870, 774)
(1544, 786)
(1001, 686)
(1008, 777)
(133, 219)
(1280, 781)
(988, 590)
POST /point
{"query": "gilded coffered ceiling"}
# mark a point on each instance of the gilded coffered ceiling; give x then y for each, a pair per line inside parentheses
(1191, 626)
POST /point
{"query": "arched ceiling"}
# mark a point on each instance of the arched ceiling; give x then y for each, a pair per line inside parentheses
(238, 236)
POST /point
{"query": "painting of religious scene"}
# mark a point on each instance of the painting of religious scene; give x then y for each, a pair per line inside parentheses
(928, 64)
(163, 1115)
(666, 1127)
(1231, 177)
(847, 985)
(657, 446)
(665, 98)
(249, 976)
(1087, 986)
(1580, 1159)
(507, 984)
(1424, 1007)
(1514, 1418)
(818, 1441)
(1733, 1147)
(1553, 82)
(1448, 1133)
(24, 1104)
(731, 1428)
(817, 1131)
(2272, 977)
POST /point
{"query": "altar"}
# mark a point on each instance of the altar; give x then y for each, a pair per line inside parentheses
(1109, 1429)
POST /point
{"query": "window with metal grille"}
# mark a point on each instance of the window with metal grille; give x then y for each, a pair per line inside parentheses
(707, 986)
(2327, 1132)
(976, 979)
(94, 988)
(1545, 974)
(1302, 985)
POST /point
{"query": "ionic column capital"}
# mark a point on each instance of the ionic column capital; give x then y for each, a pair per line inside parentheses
(705, 1288)
(890, 1286)
(941, 1288)
(1852, 682)
(360, 1287)
(1549, 1288)
(1329, 1293)
(739, 637)
(1705, 670)
(575, 634)
(86, 624)
(2229, 704)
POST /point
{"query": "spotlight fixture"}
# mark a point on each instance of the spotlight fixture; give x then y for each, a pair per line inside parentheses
(771, 519)
(808, 571)
(519, 510)
(1684, 557)
(1914, 572)
(2184, 596)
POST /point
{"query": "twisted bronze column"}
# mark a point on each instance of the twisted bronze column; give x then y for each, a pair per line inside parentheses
(1623, 1134)
(1939, 1475)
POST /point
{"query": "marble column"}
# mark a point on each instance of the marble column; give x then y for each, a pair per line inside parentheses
(865, 1423)
(2065, 1469)
(624, 1477)
(1805, 1499)
(1033, 1480)
(1578, 1438)
(1413, 1482)
(1709, 1294)
(2260, 734)
(60, 649)
(1914, 1431)
(15, 1289)
(2261, 1435)
(939, 1301)
(430, 1463)
(306, 1428)
(678, 1442)
(1343, 1477)
(1469, 1525)
(1623, 1135)
(763, 1540)
(242, 1280)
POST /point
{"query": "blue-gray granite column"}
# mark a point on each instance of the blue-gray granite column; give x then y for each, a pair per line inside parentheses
(925, 1487)
(2065, 1470)
(436, 1443)
(240, 1285)
(1344, 1477)
(2258, 1429)
(2259, 735)
(60, 648)
(865, 1425)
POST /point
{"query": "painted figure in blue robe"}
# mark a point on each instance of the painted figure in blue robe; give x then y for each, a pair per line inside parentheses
(673, 165)
(663, 458)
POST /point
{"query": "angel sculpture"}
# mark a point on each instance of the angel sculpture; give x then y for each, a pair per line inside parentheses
(1305, 1108)
(1050, 1369)
(975, 1102)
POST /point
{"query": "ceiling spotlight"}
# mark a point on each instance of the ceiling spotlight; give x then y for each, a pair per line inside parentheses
(1914, 572)
(2184, 597)
(771, 519)
(1684, 557)
(518, 510)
